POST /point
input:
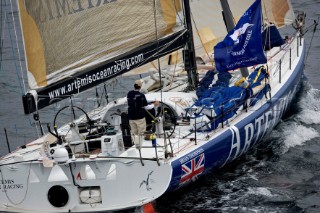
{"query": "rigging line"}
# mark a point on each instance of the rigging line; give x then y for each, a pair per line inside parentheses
(154, 66)
(156, 28)
(314, 31)
(312, 26)
(15, 64)
(18, 49)
(159, 70)
(202, 43)
(174, 72)
(265, 11)
(176, 9)
(163, 47)
(1, 37)
(99, 99)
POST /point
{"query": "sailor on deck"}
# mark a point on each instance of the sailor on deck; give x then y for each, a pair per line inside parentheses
(137, 104)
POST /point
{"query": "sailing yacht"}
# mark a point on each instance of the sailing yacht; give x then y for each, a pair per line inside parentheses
(219, 96)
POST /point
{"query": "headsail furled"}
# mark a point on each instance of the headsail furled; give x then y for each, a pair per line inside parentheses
(73, 45)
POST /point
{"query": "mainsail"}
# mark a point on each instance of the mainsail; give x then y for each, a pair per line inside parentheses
(71, 46)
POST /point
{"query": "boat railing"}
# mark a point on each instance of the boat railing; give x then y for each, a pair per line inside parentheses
(284, 58)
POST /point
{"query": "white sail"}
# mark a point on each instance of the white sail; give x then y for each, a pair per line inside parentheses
(65, 37)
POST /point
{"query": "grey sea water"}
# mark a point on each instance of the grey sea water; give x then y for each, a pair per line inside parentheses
(281, 175)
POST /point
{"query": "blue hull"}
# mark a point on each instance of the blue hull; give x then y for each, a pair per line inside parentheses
(238, 139)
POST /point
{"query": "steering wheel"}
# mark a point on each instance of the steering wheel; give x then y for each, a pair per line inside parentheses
(169, 118)
(63, 117)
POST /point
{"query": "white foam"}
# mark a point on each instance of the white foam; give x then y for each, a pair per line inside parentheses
(260, 191)
(310, 100)
(225, 197)
(308, 116)
(296, 135)
(253, 176)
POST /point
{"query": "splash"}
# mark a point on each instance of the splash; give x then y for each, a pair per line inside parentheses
(310, 107)
(302, 126)
(294, 134)
(260, 191)
(308, 116)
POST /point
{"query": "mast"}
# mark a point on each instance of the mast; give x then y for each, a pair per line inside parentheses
(189, 52)
(228, 18)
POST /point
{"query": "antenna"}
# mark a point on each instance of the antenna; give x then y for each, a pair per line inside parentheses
(5, 131)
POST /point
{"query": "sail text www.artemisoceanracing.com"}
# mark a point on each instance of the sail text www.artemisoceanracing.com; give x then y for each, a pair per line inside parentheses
(97, 76)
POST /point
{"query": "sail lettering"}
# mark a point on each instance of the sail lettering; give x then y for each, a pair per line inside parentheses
(39, 13)
(51, 10)
(99, 3)
(61, 6)
(78, 6)
(118, 66)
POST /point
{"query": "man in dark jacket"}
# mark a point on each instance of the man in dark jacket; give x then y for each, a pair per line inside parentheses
(137, 104)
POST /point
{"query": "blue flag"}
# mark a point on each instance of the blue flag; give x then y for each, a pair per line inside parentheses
(242, 47)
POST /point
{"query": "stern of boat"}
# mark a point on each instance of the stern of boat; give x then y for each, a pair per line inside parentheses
(82, 185)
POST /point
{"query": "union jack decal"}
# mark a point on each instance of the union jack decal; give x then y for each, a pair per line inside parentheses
(192, 169)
